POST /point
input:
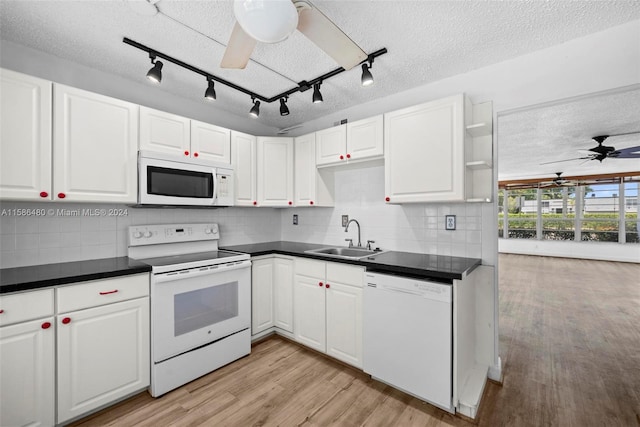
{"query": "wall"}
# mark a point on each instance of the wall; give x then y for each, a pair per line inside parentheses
(40, 64)
(628, 252)
(59, 237)
(359, 193)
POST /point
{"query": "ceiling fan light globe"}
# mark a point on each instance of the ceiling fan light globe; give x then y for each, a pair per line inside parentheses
(268, 21)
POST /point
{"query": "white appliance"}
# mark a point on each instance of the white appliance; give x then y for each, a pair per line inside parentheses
(407, 341)
(200, 301)
(170, 180)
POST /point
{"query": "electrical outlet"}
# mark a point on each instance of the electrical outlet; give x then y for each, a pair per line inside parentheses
(295, 219)
(450, 222)
(345, 220)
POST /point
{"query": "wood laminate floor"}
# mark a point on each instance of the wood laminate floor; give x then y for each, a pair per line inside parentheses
(569, 341)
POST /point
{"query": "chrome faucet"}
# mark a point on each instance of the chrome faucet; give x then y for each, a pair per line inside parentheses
(347, 229)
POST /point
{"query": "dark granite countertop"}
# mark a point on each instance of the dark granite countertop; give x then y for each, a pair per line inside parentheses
(41, 276)
(440, 267)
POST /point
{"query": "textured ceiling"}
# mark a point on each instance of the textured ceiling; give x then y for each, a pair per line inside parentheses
(427, 41)
(560, 130)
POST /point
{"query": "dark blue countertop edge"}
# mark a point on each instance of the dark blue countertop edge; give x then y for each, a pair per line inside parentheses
(425, 266)
(42, 276)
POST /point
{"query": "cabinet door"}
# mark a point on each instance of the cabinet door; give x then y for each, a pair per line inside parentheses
(365, 138)
(331, 145)
(243, 159)
(305, 170)
(309, 312)
(27, 374)
(275, 171)
(262, 283)
(25, 137)
(283, 293)
(103, 355)
(210, 142)
(424, 152)
(95, 145)
(164, 132)
(344, 323)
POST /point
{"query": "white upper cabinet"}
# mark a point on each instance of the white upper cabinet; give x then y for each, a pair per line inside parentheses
(25, 137)
(164, 132)
(210, 142)
(312, 188)
(331, 145)
(275, 171)
(360, 140)
(424, 152)
(95, 144)
(243, 159)
(168, 133)
(365, 138)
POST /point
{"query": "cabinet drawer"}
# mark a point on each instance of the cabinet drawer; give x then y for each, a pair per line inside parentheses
(26, 306)
(345, 274)
(100, 292)
(309, 268)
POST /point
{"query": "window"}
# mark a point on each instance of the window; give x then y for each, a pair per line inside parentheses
(558, 218)
(631, 221)
(593, 211)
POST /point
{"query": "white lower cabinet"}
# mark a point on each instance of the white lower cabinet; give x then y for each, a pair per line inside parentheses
(103, 343)
(271, 294)
(103, 355)
(27, 368)
(261, 295)
(328, 308)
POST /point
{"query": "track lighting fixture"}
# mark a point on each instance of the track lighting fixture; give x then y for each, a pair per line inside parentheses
(210, 93)
(284, 110)
(155, 73)
(317, 96)
(255, 110)
(367, 77)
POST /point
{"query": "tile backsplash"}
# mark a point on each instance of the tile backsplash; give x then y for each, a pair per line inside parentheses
(66, 232)
(359, 193)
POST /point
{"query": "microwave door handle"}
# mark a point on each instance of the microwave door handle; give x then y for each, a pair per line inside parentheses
(215, 185)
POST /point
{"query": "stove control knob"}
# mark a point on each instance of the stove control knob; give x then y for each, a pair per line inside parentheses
(137, 234)
(208, 231)
(214, 228)
(147, 234)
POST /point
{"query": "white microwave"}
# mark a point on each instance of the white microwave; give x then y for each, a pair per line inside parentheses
(168, 180)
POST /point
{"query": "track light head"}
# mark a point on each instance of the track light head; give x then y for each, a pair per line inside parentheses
(155, 73)
(210, 93)
(284, 110)
(317, 96)
(367, 77)
(255, 110)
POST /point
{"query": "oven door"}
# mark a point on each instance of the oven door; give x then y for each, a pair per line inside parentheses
(164, 182)
(191, 308)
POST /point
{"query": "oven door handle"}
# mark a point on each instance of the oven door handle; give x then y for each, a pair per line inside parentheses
(200, 271)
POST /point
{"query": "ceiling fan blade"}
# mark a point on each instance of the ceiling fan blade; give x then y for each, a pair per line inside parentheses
(569, 160)
(327, 36)
(626, 153)
(239, 49)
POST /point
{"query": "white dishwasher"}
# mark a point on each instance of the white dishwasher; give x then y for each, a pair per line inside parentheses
(407, 340)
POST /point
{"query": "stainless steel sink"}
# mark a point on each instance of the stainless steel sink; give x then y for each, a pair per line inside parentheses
(345, 253)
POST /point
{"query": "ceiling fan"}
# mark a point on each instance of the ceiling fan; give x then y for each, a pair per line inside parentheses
(601, 151)
(274, 20)
(558, 181)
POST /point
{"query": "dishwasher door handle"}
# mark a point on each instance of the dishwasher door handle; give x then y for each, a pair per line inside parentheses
(402, 291)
